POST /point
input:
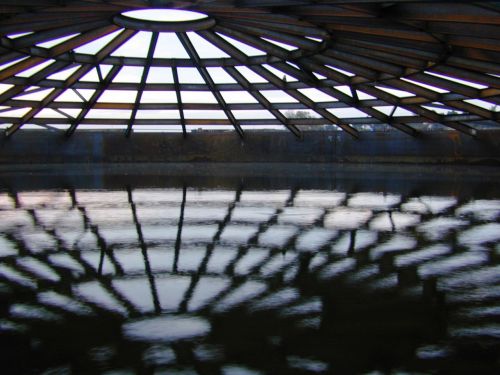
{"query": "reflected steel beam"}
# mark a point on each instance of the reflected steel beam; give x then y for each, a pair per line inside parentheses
(144, 251)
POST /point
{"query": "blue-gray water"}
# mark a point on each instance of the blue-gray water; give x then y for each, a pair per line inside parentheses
(241, 270)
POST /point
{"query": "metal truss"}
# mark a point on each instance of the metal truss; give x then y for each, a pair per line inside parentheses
(379, 63)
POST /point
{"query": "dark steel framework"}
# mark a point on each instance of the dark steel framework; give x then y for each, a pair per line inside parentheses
(399, 63)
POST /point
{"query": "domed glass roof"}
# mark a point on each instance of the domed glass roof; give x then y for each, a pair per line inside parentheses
(245, 64)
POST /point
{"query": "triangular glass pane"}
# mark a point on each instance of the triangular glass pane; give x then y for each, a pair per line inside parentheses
(96, 45)
(317, 95)
(344, 90)
(395, 92)
(347, 113)
(17, 113)
(18, 35)
(483, 104)
(245, 48)
(250, 75)
(73, 112)
(189, 75)
(278, 73)
(428, 87)
(64, 74)
(319, 76)
(387, 110)
(458, 80)
(69, 96)
(129, 74)
(160, 75)
(39, 95)
(341, 71)
(287, 47)
(364, 96)
(55, 42)
(319, 40)
(49, 113)
(86, 93)
(169, 47)
(278, 96)
(137, 46)
(6, 65)
(400, 112)
(204, 48)
(4, 87)
(29, 72)
(91, 76)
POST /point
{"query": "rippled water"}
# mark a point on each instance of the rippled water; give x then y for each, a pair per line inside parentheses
(250, 273)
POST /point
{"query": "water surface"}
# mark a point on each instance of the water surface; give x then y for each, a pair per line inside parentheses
(249, 270)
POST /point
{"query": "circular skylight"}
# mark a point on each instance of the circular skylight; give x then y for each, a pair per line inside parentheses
(165, 15)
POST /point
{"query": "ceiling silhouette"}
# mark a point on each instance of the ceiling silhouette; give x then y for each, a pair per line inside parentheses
(404, 64)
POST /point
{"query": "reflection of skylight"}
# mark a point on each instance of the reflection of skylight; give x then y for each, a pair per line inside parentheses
(165, 15)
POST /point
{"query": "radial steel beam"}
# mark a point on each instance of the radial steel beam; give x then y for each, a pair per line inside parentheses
(208, 79)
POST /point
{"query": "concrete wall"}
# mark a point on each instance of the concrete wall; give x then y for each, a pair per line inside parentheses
(31, 146)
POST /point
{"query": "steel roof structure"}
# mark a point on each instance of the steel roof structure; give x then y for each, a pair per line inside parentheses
(289, 63)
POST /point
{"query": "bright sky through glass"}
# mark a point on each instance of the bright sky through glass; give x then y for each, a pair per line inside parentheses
(165, 15)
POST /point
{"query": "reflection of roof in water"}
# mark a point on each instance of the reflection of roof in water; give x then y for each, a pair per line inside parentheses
(278, 281)
(250, 63)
